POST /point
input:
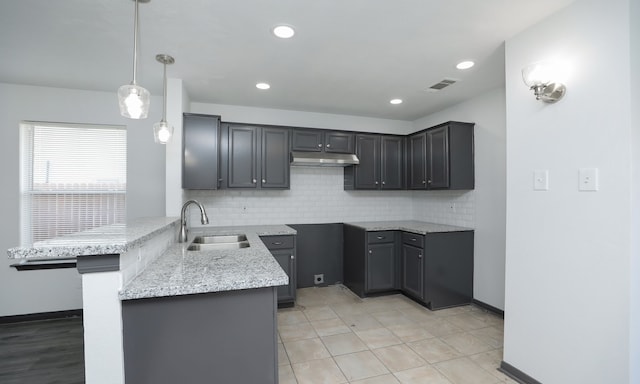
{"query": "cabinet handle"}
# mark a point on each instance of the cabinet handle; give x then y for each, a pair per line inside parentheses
(420, 256)
(328, 145)
(370, 252)
(376, 183)
(292, 257)
(424, 182)
(379, 237)
(264, 181)
(254, 181)
(319, 145)
(429, 181)
(277, 243)
(383, 183)
(414, 239)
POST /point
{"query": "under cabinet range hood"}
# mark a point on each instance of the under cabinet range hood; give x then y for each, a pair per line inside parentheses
(323, 159)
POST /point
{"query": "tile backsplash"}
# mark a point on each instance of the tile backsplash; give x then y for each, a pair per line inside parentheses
(317, 196)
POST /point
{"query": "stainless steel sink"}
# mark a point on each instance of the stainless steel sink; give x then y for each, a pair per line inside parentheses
(218, 242)
(215, 239)
(217, 246)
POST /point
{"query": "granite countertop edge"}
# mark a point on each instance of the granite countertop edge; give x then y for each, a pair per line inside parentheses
(418, 227)
(110, 239)
(180, 272)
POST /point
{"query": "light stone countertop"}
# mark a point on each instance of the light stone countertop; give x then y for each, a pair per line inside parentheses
(110, 239)
(419, 227)
(181, 272)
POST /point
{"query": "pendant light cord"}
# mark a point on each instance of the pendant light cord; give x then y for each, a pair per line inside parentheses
(164, 103)
(135, 43)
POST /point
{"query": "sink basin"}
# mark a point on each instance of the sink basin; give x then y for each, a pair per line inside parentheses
(217, 246)
(220, 239)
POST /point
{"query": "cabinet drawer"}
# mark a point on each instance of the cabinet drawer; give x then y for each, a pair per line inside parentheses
(413, 239)
(380, 237)
(278, 242)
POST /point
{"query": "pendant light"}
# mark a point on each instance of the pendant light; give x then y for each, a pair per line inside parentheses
(162, 131)
(132, 98)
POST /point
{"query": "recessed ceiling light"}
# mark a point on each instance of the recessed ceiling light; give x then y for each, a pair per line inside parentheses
(263, 86)
(283, 31)
(395, 101)
(465, 64)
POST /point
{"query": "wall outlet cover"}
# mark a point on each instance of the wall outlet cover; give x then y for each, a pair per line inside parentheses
(541, 180)
(588, 179)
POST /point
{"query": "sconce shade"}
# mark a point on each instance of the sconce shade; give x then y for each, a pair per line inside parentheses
(162, 132)
(133, 101)
(539, 77)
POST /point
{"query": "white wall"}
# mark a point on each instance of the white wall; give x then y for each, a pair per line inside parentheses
(567, 292)
(634, 357)
(253, 115)
(56, 290)
(488, 199)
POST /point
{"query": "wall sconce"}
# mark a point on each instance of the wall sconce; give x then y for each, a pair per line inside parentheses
(542, 78)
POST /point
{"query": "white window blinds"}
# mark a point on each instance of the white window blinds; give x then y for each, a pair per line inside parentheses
(74, 178)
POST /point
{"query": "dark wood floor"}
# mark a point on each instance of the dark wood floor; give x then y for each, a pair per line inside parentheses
(39, 352)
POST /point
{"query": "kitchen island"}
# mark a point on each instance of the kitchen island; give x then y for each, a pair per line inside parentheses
(126, 269)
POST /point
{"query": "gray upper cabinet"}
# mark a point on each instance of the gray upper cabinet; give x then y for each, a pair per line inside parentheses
(256, 157)
(381, 163)
(200, 155)
(442, 157)
(275, 158)
(243, 157)
(319, 140)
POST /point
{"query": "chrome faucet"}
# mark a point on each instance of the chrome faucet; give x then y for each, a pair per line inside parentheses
(183, 219)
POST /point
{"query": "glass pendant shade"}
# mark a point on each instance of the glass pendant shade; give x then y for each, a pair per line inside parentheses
(162, 132)
(133, 101)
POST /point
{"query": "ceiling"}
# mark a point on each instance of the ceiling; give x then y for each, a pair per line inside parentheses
(347, 57)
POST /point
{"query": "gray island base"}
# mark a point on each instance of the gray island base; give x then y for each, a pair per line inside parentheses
(219, 337)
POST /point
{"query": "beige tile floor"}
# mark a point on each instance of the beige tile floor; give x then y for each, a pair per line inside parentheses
(333, 336)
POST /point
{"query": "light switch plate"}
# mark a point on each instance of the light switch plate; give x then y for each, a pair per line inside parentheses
(588, 179)
(541, 180)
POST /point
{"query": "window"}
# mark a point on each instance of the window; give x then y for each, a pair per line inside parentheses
(74, 178)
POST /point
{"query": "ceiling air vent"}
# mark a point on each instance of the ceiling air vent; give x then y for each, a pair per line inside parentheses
(440, 85)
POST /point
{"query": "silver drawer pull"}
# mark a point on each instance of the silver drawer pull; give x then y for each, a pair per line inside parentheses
(292, 257)
(420, 256)
(277, 243)
(414, 239)
(319, 145)
(379, 237)
(328, 145)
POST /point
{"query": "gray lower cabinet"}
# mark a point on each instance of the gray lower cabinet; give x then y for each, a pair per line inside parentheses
(200, 152)
(283, 249)
(370, 262)
(412, 264)
(437, 268)
(223, 337)
(255, 157)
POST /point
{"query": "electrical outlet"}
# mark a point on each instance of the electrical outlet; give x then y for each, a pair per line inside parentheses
(318, 279)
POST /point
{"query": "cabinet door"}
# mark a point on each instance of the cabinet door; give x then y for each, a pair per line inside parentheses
(392, 162)
(368, 171)
(275, 158)
(307, 140)
(417, 161)
(200, 163)
(338, 142)
(286, 259)
(380, 267)
(438, 158)
(243, 156)
(412, 276)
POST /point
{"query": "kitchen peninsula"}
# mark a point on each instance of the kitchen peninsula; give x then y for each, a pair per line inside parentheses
(133, 267)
